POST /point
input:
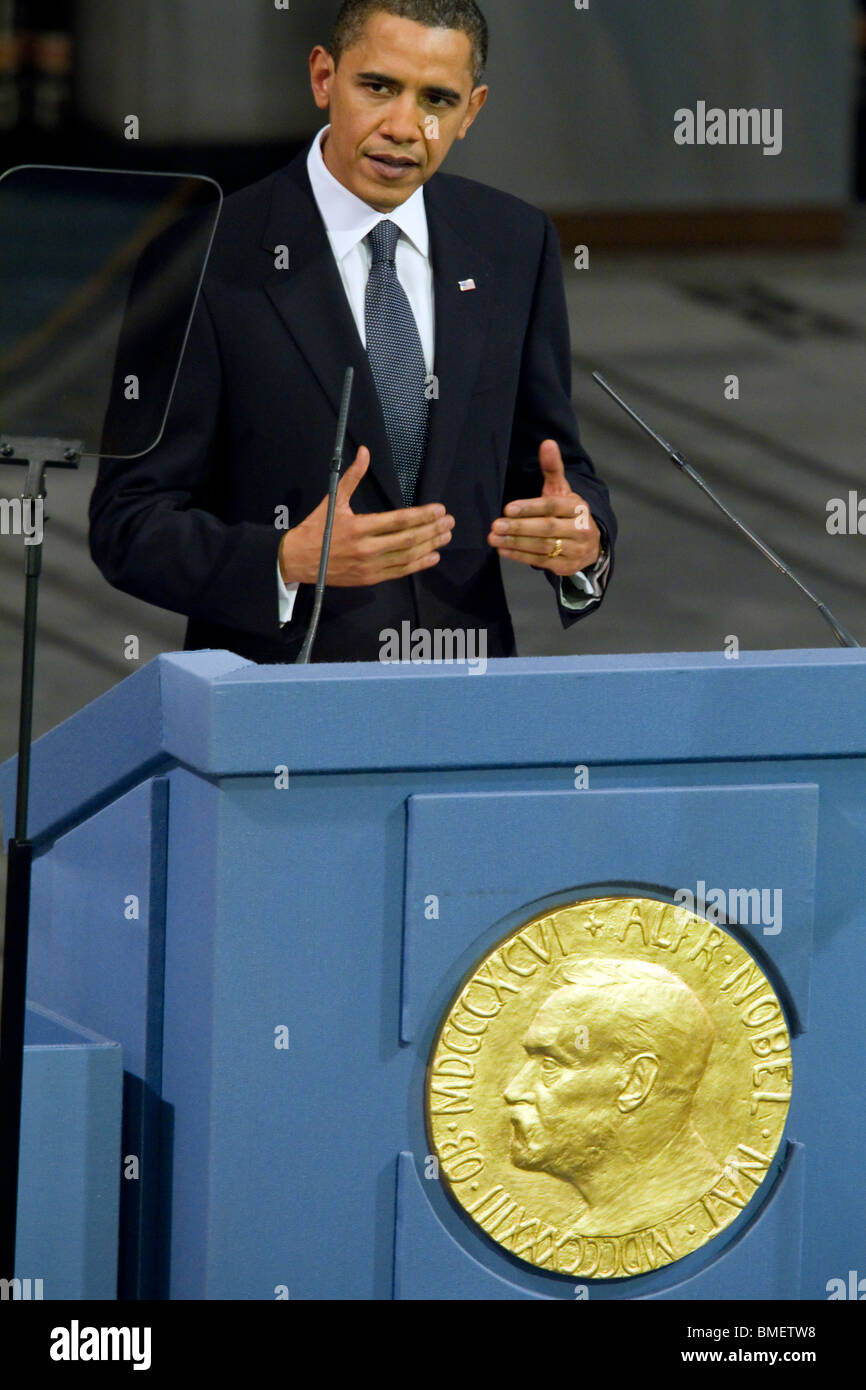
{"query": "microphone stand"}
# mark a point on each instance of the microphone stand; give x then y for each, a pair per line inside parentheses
(843, 637)
(336, 465)
(35, 455)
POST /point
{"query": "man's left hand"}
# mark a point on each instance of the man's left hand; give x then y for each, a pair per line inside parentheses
(555, 531)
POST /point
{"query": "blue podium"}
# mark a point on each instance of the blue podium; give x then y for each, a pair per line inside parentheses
(234, 877)
(67, 1228)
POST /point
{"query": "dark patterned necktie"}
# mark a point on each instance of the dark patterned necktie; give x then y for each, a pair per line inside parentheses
(397, 359)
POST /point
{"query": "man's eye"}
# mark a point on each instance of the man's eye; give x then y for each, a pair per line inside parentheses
(377, 88)
(549, 1067)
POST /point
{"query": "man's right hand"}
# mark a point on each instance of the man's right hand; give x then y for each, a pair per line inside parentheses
(365, 550)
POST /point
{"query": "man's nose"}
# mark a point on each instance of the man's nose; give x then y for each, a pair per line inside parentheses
(520, 1088)
(402, 122)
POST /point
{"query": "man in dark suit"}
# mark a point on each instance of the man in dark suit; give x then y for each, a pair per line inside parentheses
(446, 297)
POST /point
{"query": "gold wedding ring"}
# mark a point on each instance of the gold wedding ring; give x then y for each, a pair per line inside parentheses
(556, 551)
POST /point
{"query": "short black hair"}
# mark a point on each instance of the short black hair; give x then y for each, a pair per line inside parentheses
(434, 14)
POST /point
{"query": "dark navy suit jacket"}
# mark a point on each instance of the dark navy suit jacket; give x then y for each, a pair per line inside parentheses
(190, 526)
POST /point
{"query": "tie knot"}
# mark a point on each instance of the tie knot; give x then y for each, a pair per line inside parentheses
(383, 241)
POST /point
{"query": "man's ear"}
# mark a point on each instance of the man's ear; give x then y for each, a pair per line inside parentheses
(644, 1070)
(476, 101)
(322, 69)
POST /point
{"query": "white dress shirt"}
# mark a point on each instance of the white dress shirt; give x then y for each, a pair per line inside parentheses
(348, 221)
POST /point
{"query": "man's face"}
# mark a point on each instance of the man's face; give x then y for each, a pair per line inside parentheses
(398, 100)
(563, 1100)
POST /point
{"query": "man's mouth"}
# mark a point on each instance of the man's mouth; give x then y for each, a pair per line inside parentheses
(521, 1125)
(392, 166)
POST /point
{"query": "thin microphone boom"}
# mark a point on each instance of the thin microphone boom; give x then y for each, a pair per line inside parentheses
(336, 465)
(843, 638)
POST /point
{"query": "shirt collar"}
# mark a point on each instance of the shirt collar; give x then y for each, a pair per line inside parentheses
(348, 220)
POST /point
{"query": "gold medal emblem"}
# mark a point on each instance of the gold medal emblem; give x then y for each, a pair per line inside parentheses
(608, 1090)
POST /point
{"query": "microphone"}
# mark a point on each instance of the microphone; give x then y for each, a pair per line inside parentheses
(336, 465)
(843, 637)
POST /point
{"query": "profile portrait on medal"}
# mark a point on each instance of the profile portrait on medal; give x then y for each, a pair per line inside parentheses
(605, 1098)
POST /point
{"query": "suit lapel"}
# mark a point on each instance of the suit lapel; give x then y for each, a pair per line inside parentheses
(310, 298)
(462, 327)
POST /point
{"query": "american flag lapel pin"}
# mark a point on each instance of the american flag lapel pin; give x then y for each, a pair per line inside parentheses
(467, 285)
